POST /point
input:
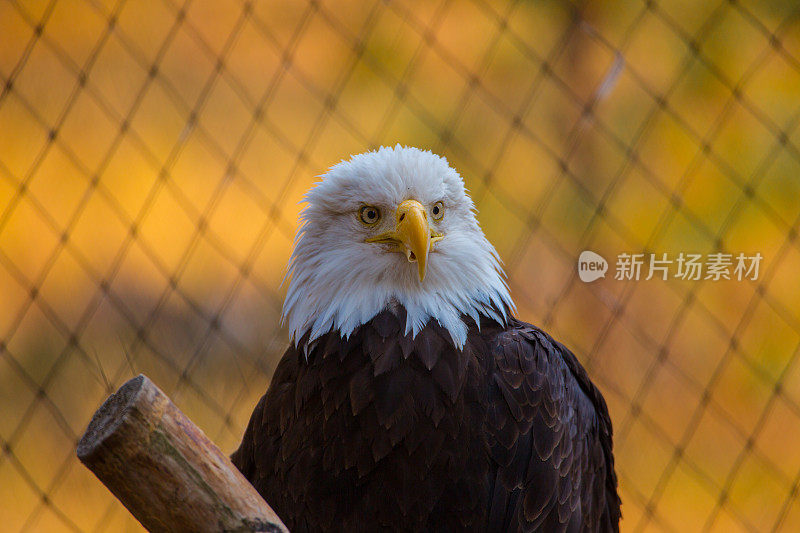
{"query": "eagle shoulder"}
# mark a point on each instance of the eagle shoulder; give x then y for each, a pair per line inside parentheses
(549, 437)
(259, 455)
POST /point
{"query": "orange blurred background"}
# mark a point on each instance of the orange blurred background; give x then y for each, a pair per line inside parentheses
(153, 155)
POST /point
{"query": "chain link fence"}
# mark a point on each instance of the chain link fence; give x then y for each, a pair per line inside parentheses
(152, 155)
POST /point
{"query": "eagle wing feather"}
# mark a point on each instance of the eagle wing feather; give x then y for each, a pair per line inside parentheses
(548, 432)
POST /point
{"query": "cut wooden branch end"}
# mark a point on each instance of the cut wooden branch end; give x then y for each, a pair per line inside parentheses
(162, 467)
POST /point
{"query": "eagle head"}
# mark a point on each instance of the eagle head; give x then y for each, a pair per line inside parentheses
(387, 229)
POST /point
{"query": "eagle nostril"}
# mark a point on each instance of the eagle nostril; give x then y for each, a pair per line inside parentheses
(402, 217)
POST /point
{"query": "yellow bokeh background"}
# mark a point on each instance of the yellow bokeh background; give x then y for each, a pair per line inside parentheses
(153, 155)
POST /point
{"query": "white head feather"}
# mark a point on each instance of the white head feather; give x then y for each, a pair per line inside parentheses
(339, 281)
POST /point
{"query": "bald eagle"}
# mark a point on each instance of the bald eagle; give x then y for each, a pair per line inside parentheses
(410, 398)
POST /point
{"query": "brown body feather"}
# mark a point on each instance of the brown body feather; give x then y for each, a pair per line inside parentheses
(384, 432)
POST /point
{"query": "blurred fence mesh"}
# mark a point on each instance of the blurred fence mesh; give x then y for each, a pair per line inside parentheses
(153, 154)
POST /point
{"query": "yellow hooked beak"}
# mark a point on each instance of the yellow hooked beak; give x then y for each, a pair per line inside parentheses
(412, 234)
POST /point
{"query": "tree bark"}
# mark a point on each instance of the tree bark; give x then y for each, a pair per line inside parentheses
(162, 467)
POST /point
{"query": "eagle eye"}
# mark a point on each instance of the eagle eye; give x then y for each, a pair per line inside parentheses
(437, 211)
(369, 214)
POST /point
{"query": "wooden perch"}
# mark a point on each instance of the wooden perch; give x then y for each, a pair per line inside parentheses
(168, 474)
